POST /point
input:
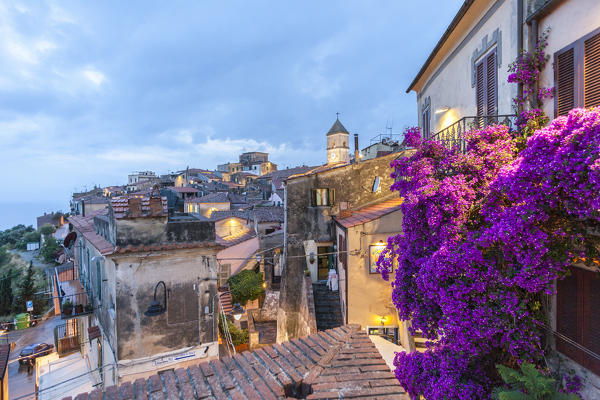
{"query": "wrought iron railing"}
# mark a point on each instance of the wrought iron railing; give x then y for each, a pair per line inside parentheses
(66, 338)
(75, 305)
(453, 136)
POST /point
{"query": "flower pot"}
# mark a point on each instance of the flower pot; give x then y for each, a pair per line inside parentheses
(67, 310)
(79, 309)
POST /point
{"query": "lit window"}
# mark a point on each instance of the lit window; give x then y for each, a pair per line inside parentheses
(323, 197)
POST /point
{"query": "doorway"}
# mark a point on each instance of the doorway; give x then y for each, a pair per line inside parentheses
(325, 261)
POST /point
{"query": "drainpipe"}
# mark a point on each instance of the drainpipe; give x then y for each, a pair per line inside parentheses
(533, 36)
(520, 43)
(356, 151)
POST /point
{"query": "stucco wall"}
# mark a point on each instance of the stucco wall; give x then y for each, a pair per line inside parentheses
(231, 226)
(369, 296)
(238, 255)
(448, 82)
(569, 22)
(190, 278)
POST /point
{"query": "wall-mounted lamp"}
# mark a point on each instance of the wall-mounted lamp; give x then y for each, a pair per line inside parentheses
(237, 311)
(383, 319)
(442, 110)
(155, 307)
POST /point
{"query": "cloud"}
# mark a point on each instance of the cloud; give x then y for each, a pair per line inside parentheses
(94, 76)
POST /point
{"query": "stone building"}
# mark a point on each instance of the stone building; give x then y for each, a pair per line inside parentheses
(312, 200)
(463, 84)
(127, 258)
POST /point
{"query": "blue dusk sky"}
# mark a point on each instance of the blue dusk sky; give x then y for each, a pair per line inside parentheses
(92, 90)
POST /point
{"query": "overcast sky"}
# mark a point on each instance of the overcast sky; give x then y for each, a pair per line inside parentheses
(91, 90)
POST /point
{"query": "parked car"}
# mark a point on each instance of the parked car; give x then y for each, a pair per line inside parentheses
(33, 351)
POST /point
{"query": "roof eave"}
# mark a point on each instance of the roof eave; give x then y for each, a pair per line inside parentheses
(455, 21)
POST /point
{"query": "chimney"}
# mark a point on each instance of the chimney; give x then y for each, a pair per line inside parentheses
(135, 207)
(356, 150)
(83, 208)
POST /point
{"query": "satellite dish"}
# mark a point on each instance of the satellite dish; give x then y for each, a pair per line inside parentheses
(70, 239)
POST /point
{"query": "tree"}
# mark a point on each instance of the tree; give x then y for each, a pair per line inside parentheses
(4, 256)
(6, 294)
(247, 285)
(49, 249)
(30, 237)
(26, 287)
(47, 229)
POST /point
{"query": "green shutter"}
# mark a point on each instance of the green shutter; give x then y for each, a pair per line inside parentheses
(99, 279)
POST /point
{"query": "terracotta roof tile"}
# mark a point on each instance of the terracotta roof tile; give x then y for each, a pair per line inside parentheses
(85, 227)
(343, 364)
(121, 206)
(184, 189)
(370, 213)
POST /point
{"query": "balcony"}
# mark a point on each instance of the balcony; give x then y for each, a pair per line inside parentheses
(66, 338)
(453, 135)
(73, 298)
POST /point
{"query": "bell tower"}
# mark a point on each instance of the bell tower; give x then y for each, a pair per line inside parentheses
(338, 148)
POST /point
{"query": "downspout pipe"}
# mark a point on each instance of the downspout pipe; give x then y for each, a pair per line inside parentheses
(520, 42)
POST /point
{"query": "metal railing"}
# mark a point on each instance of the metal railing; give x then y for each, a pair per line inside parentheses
(75, 305)
(66, 338)
(453, 136)
(387, 138)
(66, 272)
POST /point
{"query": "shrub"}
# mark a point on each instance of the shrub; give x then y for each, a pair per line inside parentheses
(529, 384)
(246, 285)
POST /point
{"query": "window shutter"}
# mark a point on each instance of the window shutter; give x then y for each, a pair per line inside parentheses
(331, 197)
(565, 81)
(314, 197)
(492, 85)
(591, 317)
(591, 72)
(567, 314)
(480, 91)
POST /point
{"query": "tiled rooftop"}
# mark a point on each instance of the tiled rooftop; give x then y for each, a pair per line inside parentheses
(340, 363)
(184, 189)
(121, 207)
(4, 354)
(217, 197)
(85, 226)
(262, 214)
(370, 213)
(232, 240)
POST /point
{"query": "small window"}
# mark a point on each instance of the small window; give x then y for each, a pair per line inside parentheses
(323, 197)
(376, 187)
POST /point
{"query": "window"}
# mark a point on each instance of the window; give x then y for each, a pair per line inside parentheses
(323, 197)
(578, 317)
(376, 188)
(224, 274)
(577, 74)
(99, 280)
(426, 122)
(486, 86)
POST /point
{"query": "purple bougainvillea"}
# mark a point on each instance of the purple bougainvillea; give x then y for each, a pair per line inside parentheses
(484, 236)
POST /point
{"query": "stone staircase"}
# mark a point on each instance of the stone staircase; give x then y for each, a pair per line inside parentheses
(327, 307)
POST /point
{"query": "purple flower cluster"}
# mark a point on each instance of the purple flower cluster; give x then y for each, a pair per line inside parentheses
(526, 71)
(484, 234)
(412, 137)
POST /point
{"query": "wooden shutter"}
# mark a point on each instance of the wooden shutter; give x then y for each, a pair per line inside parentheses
(491, 85)
(330, 197)
(565, 81)
(567, 311)
(591, 72)
(480, 90)
(592, 319)
(314, 197)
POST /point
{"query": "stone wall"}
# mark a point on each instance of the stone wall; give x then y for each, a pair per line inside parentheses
(352, 184)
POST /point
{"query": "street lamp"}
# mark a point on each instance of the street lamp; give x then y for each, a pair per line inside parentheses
(237, 311)
(155, 307)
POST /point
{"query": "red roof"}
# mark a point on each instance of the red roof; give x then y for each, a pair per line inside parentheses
(339, 363)
(85, 226)
(370, 213)
(121, 208)
(185, 189)
(4, 353)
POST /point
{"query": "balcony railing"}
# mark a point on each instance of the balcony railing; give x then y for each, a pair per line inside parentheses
(454, 135)
(74, 299)
(66, 338)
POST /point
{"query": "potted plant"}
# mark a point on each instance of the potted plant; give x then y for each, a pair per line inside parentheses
(67, 307)
(78, 308)
(88, 307)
